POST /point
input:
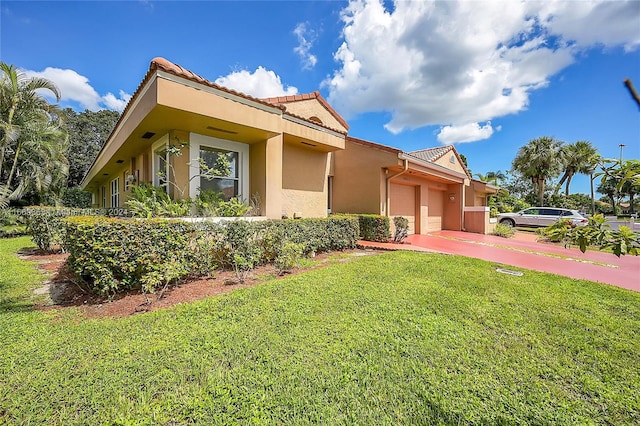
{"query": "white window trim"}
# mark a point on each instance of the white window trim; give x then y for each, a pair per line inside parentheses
(115, 195)
(196, 140)
(162, 143)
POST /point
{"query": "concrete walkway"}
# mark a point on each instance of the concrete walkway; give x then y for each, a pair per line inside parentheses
(525, 252)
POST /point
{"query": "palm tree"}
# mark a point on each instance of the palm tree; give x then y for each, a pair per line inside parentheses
(492, 178)
(580, 157)
(32, 142)
(540, 159)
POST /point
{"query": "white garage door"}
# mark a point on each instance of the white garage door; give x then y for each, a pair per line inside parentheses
(403, 203)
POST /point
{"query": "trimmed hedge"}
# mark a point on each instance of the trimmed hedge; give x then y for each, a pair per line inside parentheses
(113, 255)
(374, 227)
(371, 227)
(45, 226)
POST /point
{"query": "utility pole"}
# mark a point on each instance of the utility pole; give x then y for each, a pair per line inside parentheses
(621, 146)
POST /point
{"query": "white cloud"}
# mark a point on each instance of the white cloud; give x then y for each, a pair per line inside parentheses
(260, 84)
(470, 132)
(306, 38)
(118, 104)
(76, 88)
(437, 62)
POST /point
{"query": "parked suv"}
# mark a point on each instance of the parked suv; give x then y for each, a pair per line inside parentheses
(541, 216)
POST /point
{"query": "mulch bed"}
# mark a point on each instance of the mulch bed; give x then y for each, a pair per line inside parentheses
(64, 289)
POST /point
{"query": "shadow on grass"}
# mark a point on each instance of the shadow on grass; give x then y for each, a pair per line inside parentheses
(15, 305)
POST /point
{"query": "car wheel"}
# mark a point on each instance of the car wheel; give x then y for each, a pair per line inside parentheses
(508, 222)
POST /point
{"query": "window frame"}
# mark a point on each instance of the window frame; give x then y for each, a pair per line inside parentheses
(156, 150)
(115, 195)
(197, 140)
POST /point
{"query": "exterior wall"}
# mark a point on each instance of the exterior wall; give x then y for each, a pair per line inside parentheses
(304, 182)
(273, 178)
(181, 169)
(202, 101)
(359, 181)
(312, 108)
(476, 219)
(450, 161)
(258, 173)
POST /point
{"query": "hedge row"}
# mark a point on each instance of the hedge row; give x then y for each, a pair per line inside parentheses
(45, 225)
(374, 227)
(114, 255)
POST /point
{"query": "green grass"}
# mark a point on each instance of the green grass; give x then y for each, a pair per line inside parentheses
(397, 338)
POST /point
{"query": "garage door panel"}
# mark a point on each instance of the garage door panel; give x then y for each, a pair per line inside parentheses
(403, 203)
(435, 209)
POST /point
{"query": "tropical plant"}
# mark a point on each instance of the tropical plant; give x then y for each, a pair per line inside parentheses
(493, 178)
(402, 228)
(504, 231)
(580, 157)
(32, 141)
(539, 160)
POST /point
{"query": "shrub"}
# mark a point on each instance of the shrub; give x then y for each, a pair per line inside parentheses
(288, 257)
(402, 228)
(148, 201)
(314, 235)
(210, 203)
(45, 225)
(596, 233)
(114, 255)
(11, 223)
(504, 231)
(558, 231)
(120, 254)
(374, 227)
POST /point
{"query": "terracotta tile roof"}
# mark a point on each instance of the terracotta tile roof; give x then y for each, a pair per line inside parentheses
(374, 145)
(279, 100)
(431, 154)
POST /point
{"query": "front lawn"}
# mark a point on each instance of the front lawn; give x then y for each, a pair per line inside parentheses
(397, 338)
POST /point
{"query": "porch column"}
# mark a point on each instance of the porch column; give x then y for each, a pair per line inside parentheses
(273, 177)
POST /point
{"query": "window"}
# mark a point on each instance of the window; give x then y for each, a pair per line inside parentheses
(104, 197)
(227, 186)
(160, 168)
(115, 192)
(127, 180)
(209, 151)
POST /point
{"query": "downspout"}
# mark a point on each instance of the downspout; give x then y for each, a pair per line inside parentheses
(388, 185)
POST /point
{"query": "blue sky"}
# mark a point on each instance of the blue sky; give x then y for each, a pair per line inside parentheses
(487, 76)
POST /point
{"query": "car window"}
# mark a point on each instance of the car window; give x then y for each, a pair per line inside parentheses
(550, 212)
(567, 213)
(530, 211)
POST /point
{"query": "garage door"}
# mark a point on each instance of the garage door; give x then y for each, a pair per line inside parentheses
(434, 220)
(403, 203)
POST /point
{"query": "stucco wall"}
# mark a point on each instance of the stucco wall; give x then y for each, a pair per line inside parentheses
(311, 107)
(450, 161)
(359, 181)
(304, 181)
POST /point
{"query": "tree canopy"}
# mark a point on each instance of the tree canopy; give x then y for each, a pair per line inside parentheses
(539, 160)
(32, 141)
(88, 131)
